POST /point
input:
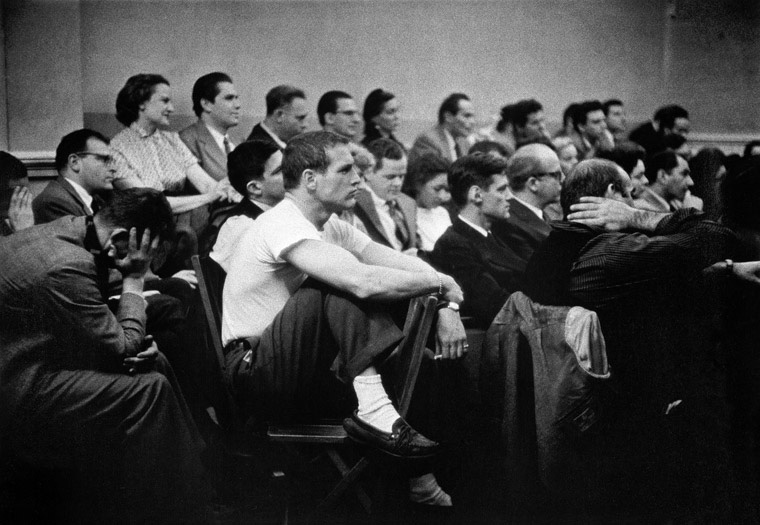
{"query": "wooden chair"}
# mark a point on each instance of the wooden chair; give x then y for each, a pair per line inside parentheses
(409, 353)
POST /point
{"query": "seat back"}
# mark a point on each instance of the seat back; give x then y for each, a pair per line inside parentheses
(211, 279)
(419, 321)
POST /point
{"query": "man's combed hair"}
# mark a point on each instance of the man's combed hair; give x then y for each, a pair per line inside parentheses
(328, 103)
(607, 104)
(522, 109)
(139, 208)
(667, 115)
(138, 89)
(664, 160)
(423, 169)
(450, 105)
(625, 154)
(385, 149)
(207, 88)
(74, 142)
(475, 169)
(490, 146)
(307, 151)
(280, 96)
(584, 108)
(246, 163)
(590, 178)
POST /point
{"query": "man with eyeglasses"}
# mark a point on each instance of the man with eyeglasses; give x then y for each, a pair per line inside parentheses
(85, 168)
(535, 178)
(338, 112)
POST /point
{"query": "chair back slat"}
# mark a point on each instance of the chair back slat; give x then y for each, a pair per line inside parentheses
(210, 281)
(419, 321)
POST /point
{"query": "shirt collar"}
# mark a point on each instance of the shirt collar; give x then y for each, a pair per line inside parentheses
(219, 137)
(538, 211)
(482, 231)
(273, 135)
(83, 194)
(140, 131)
(379, 203)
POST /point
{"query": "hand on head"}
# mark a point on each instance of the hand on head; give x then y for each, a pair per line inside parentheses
(610, 214)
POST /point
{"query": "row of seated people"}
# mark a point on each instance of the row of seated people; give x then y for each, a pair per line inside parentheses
(324, 183)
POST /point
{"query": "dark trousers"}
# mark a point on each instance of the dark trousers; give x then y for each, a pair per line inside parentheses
(321, 333)
(129, 442)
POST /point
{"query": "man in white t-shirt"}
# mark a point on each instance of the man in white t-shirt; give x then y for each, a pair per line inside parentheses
(307, 293)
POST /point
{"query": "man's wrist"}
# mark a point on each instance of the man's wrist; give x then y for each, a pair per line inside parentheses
(133, 284)
(645, 220)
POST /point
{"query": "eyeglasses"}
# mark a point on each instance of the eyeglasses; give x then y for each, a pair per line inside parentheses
(553, 174)
(108, 160)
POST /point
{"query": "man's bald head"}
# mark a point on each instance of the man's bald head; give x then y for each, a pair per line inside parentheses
(531, 160)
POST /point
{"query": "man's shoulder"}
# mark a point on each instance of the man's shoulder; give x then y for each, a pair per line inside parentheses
(193, 131)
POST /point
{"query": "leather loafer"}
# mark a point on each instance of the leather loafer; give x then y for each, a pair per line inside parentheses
(402, 442)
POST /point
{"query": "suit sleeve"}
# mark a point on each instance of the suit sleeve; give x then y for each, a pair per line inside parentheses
(614, 265)
(71, 299)
(483, 294)
(48, 210)
(424, 145)
(190, 140)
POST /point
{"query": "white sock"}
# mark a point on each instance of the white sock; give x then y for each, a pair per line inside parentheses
(374, 406)
(426, 490)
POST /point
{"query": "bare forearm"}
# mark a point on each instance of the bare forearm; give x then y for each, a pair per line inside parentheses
(643, 220)
(190, 202)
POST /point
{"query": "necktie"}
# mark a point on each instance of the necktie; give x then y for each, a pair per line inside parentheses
(457, 149)
(227, 147)
(402, 232)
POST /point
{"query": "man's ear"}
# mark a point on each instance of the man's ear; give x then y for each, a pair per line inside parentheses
(118, 242)
(660, 173)
(532, 184)
(475, 194)
(610, 192)
(253, 188)
(309, 179)
(329, 118)
(278, 114)
(205, 104)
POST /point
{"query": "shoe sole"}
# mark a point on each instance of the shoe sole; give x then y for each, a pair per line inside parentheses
(386, 452)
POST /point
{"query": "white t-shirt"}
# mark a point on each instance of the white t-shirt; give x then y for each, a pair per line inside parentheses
(227, 239)
(431, 223)
(260, 281)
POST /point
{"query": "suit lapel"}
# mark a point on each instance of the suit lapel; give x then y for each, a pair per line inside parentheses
(367, 212)
(217, 155)
(74, 195)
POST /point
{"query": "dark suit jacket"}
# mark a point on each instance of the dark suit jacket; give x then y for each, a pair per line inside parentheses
(59, 198)
(523, 231)
(487, 269)
(259, 133)
(201, 143)
(366, 212)
(434, 141)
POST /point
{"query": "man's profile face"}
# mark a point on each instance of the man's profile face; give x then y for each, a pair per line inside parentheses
(386, 181)
(346, 119)
(535, 126)
(97, 169)
(549, 178)
(224, 110)
(595, 125)
(616, 121)
(272, 189)
(336, 188)
(293, 119)
(638, 179)
(681, 126)
(495, 204)
(463, 122)
(678, 181)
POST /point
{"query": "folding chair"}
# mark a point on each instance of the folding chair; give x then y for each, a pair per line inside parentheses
(408, 354)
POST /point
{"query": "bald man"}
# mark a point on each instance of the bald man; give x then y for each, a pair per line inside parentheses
(535, 178)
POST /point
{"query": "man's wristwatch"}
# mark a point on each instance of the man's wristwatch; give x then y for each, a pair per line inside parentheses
(451, 305)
